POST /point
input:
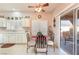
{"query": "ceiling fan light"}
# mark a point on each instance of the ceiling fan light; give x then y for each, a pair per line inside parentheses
(38, 9)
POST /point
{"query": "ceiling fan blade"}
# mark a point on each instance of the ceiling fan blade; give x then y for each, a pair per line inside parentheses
(46, 4)
(30, 6)
(33, 6)
(43, 10)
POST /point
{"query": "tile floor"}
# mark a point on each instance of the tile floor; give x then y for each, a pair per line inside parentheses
(22, 50)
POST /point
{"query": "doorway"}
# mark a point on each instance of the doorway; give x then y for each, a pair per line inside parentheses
(69, 32)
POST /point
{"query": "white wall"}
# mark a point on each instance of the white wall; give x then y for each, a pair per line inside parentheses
(38, 25)
(33, 16)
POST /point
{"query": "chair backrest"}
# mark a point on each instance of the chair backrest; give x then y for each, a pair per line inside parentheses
(66, 35)
(41, 42)
(28, 37)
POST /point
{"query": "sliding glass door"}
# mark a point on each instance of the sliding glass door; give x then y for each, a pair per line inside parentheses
(67, 32)
(77, 31)
(69, 24)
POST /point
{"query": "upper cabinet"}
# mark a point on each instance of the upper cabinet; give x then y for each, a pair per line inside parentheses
(17, 24)
(3, 22)
(14, 24)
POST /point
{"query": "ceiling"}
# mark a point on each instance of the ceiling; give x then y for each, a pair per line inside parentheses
(67, 16)
(23, 7)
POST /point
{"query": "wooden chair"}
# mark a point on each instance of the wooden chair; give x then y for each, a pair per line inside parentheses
(41, 44)
(66, 36)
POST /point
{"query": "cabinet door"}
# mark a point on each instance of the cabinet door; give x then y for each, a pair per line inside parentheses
(11, 25)
(2, 23)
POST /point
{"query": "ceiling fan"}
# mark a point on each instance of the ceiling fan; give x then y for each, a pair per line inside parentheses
(39, 7)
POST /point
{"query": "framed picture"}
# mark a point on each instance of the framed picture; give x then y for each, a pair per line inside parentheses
(16, 18)
(54, 22)
(39, 16)
(12, 18)
(8, 18)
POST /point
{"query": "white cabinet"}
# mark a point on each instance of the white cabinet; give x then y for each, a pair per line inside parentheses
(10, 25)
(15, 37)
(17, 24)
(3, 22)
(14, 24)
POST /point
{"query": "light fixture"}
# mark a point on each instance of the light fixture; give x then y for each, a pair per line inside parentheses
(38, 9)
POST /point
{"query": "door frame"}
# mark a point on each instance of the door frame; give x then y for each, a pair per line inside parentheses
(70, 8)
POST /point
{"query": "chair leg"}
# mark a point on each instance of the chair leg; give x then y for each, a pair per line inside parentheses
(46, 52)
(54, 48)
(27, 50)
(35, 50)
(65, 41)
